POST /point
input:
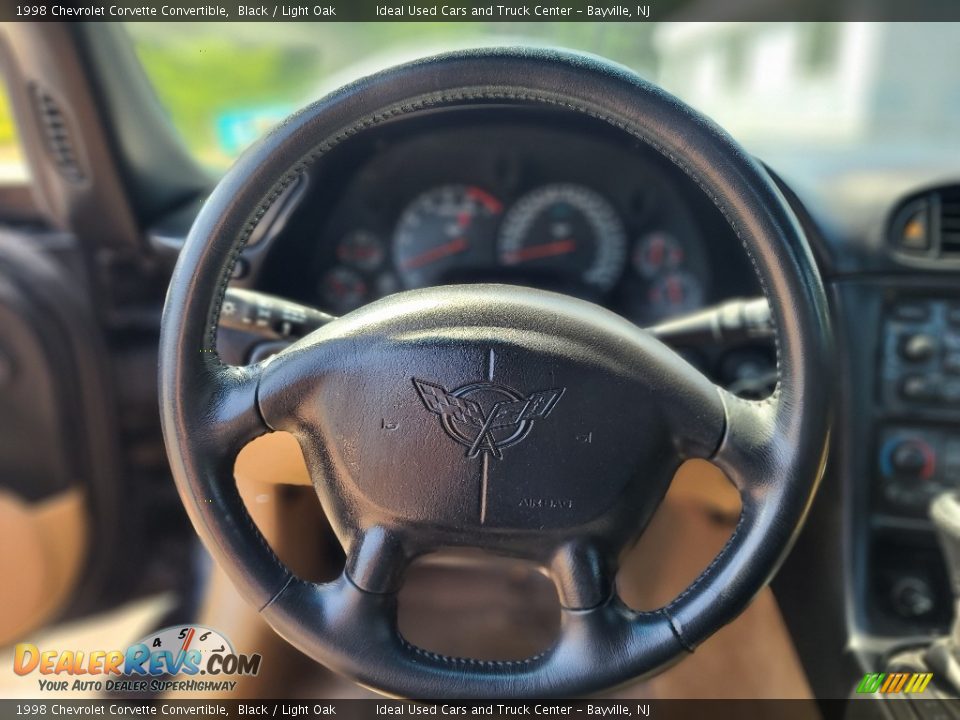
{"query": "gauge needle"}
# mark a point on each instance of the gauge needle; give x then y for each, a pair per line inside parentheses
(656, 250)
(675, 290)
(441, 251)
(184, 647)
(544, 250)
(341, 287)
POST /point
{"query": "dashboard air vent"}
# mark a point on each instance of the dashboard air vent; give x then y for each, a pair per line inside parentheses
(950, 222)
(57, 134)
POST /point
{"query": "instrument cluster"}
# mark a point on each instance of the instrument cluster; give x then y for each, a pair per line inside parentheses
(525, 202)
(562, 236)
(564, 230)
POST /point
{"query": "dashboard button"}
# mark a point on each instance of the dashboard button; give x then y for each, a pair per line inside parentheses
(951, 341)
(918, 388)
(951, 461)
(918, 347)
(950, 392)
(912, 311)
(951, 363)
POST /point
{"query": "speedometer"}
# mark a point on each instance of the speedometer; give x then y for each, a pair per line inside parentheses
(566, 230)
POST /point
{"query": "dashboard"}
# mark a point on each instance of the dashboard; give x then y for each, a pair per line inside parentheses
(517, 199)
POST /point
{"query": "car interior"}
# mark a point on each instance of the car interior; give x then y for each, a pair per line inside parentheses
(505, 361)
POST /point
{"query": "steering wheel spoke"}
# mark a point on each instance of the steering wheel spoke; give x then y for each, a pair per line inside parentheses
(220, 409)
(377, 560)
(319, 618)
(231, 401)
(751, 450)
(583, 574)
(692, 407)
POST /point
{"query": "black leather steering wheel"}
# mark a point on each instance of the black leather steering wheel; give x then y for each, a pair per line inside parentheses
(512, 420)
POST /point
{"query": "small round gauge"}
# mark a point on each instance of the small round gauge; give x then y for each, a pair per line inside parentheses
(657, 253)
(361, 249)
(343, 289)
(444, 230)
(567, 230)
(674, 293)
(179, 640)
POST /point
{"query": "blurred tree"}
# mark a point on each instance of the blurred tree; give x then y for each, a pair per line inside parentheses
(213, 77)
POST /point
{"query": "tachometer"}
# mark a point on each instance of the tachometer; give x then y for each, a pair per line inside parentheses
(566, 230)
(445, 229)
(178, 640)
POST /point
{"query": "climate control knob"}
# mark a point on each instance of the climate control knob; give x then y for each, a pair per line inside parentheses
(910, 459)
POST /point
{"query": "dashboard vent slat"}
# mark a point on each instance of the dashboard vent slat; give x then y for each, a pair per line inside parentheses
(950, 223)
(56, 132)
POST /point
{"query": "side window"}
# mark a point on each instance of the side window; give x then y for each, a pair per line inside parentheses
(13, 165)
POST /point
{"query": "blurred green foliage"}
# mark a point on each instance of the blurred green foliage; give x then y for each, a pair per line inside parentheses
(8, 131)
(198, 84)
(12, 164)
(205, 72)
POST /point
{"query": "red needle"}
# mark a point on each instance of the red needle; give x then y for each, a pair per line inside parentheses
(656, 250)
(544, 250)
(184, 647)
(675, 290)
(360, 253)
(441, 251)
(186, 641)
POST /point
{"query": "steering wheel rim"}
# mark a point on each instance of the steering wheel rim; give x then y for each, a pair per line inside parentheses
(772, 450)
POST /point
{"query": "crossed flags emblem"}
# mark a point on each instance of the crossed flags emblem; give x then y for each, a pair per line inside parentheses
(504, 414)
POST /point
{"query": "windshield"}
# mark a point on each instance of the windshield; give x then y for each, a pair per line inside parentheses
(780, 88)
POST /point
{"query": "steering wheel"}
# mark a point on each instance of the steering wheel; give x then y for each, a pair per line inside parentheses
(511, 420)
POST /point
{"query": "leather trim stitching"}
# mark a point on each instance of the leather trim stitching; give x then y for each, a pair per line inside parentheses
(472, 662)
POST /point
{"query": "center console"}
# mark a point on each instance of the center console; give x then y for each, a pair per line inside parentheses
(915, 458)
(893, 276)
(919, 372)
